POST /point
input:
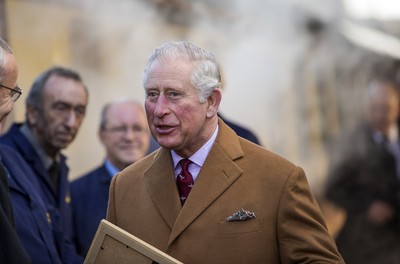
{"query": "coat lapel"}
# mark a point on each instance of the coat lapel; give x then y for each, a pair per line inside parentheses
(218, 173)
(160, 182)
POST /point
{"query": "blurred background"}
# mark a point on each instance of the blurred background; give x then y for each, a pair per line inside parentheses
(295, 70)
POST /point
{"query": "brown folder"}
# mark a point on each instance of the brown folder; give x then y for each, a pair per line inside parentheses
(112, 244)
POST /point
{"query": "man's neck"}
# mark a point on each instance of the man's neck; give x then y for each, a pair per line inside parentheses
(46, 156)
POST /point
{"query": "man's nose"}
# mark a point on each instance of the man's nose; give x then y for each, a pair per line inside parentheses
(72, 119)
(161, 108)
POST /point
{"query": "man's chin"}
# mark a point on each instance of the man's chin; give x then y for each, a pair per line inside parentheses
(131, 158)
(63, 144)
(166, 145)
(64, 141)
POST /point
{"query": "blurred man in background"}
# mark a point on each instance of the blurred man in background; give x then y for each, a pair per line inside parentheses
(55, 108)
(365, 181)
(11, 249)
(125, 135)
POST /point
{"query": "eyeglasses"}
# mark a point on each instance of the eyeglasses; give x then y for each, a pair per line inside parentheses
(15, 92)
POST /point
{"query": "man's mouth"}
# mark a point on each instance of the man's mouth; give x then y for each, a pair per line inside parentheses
(66, 136)
(164, 129)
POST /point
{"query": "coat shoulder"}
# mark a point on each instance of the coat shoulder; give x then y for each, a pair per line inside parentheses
(255, 154)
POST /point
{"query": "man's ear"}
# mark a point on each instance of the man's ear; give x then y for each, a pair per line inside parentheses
(101, 135)
(213, 102)
(31, 115)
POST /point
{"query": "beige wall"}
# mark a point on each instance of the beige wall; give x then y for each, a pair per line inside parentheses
(107, 44)
(259, 47)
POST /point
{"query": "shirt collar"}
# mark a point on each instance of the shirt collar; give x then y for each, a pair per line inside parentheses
(46, 159)
(200, 156)
(111, 169)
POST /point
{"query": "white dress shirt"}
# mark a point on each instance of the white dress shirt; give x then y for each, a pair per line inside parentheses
(197, 158)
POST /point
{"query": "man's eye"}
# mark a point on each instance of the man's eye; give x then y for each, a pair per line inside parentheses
(119, 129)
(173, 94)
(151, 94)
(61, 107)
(80, 111)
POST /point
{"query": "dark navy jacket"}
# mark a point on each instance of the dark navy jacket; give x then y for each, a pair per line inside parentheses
(58, 205)
(89, 196)
(11, 248)
(30, 213)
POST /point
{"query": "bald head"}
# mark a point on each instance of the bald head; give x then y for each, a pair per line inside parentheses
(124, 132)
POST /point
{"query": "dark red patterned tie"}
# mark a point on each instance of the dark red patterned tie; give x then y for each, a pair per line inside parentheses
(184, 180)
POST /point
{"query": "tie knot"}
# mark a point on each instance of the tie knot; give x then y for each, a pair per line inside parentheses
(185, 164)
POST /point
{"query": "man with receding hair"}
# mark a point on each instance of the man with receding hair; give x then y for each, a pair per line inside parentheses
(11, 249)
(55, 108)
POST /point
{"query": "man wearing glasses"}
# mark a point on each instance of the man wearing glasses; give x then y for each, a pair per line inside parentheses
(11, 93)
(125, 135)
(14, 92)
(11, 249)
(55, 107)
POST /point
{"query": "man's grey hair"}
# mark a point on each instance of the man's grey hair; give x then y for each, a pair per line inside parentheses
(35, 96)
(4, 50)
(205, 76)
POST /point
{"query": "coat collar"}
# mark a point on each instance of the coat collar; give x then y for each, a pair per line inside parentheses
(217, 174)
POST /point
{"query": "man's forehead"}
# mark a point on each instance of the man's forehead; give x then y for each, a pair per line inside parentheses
(129, 112)
(70, 100)
(59, 84)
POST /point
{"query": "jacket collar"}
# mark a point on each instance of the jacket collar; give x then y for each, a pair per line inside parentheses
(28, 152)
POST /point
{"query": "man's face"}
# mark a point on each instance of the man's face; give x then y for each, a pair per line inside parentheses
(177, 119)
(10, 80)
(64, 106)
(125, 136)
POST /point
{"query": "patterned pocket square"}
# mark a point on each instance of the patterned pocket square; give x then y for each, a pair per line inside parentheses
(241, 215)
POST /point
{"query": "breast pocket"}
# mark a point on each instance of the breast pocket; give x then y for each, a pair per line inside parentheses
(240, 227)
